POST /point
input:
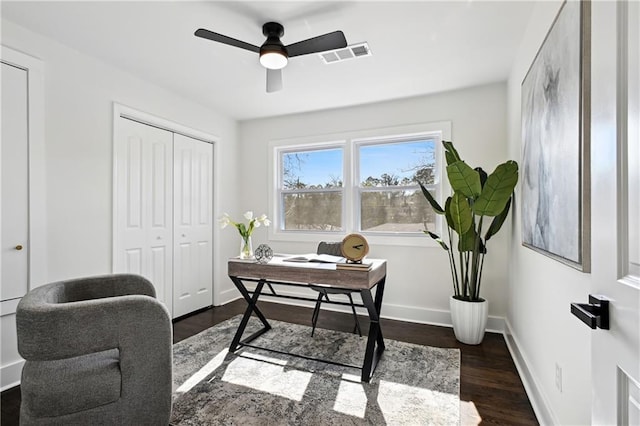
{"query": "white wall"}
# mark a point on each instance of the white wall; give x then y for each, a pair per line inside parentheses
(79, 96)
(419, 282)
(541, 327)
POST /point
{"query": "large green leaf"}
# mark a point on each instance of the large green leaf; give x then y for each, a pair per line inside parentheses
(437, 239)
(450, 157)
(450, 152)
(482, 174)
(497, 221)
(497, 190)
(464, 179)
(447, 213)
(467, 242)
(460, 212)
(434, 204)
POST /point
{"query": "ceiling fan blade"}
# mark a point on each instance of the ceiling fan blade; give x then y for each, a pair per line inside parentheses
(274, 80)
(210, 35)
(329, 41)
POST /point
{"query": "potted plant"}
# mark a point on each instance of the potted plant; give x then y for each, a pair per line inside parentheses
(476, 196)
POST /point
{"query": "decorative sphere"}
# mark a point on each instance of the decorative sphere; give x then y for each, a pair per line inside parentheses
(263, 253)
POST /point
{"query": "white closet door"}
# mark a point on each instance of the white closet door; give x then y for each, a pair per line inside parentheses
(15, 187)
(144, 202)
(193, 192)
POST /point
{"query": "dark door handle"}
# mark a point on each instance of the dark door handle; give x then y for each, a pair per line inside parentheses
(595, 313)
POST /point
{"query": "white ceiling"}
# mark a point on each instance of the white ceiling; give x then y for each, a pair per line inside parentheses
(418, 47)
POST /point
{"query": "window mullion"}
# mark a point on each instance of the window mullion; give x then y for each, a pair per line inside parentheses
(351, 195)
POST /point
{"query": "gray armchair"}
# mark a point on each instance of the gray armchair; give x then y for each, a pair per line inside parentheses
(97, 351)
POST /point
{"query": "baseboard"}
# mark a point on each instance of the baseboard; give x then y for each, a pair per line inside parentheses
(539, 402)
(10, 375)
(428, 316)
(227, 296)
(389, 311)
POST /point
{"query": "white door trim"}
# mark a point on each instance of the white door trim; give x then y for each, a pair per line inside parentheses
(37, 175)
(124, 111)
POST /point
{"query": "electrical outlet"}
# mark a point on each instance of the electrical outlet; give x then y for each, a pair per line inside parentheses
(559, 377)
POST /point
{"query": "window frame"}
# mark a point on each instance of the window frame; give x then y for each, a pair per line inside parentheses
(349, 141)
(280, 191)
(358, 189)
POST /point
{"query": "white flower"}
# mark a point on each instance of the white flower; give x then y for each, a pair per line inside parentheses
(224, 220)
(245, 230)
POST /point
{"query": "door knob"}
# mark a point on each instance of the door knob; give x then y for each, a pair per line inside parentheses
(19, 247)
(595, 313)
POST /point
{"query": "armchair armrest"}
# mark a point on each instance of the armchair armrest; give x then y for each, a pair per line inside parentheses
(52, 327)
(106, 286)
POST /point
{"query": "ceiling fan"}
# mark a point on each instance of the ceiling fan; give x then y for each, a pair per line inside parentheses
(273, 54)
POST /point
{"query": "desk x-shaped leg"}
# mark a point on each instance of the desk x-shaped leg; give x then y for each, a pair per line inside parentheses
(372, 354)
(251, 308)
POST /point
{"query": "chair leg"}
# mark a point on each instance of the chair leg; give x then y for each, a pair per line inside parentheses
(355, 316)
(316, 313)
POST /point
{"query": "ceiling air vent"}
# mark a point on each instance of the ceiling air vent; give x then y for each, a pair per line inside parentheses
(349, 52)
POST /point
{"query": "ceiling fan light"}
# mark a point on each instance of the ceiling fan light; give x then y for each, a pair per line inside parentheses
(273, 60)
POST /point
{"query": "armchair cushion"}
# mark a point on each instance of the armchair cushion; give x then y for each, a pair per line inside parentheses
(54, 385)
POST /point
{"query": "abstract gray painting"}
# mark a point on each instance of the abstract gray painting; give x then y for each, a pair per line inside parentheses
(552, 120)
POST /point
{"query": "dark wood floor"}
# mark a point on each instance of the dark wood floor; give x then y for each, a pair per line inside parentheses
(490, 387)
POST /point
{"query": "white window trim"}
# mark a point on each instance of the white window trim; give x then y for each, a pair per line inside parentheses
(349, 141)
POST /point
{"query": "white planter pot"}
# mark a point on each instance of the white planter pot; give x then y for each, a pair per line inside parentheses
(469, 320)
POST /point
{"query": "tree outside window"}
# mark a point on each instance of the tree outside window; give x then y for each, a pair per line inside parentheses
(390, 198)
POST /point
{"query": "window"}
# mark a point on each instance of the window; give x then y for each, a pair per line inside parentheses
(358, 182)
(312, 190)
(390, 199)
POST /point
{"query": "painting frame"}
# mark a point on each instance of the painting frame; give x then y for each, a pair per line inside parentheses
(556, 185)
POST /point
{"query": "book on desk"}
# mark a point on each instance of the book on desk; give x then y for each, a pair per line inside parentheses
(364, 265)
(312, 257)
(340, 262)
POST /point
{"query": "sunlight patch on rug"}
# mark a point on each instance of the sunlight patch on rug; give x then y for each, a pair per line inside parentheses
(351, 398)
(267, 374)
(204, 372)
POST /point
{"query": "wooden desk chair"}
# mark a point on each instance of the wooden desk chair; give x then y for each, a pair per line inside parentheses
(323, 292)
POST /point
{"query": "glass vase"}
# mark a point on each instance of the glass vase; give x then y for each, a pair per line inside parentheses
(246, 248)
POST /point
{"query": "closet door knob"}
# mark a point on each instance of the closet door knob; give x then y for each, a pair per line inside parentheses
(19, 247)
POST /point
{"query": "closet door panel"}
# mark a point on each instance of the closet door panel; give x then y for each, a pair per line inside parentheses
(193, 261)
(144, 194)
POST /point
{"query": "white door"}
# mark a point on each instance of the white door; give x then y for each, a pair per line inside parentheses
(143, 196)
(15, 216)
(15, 185)
(193, 192)
(615, 213)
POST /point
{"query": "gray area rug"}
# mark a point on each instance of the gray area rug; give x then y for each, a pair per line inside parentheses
(412, 385)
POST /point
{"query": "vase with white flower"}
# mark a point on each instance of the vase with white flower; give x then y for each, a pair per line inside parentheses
(245, 230)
